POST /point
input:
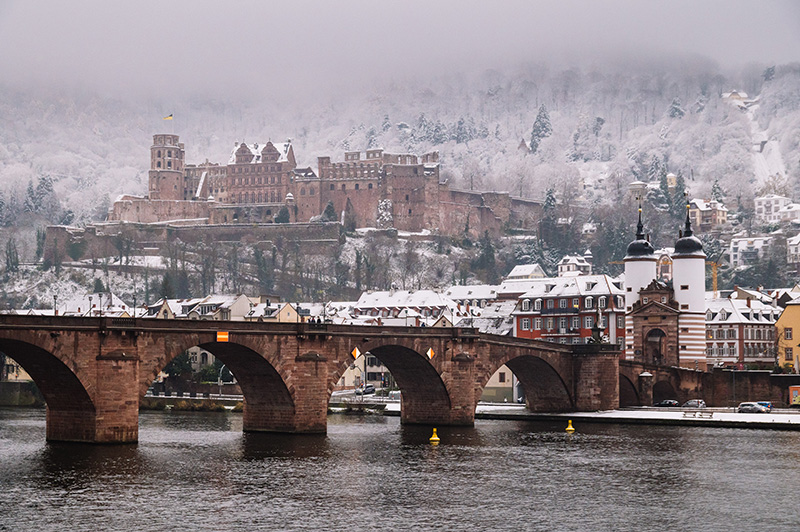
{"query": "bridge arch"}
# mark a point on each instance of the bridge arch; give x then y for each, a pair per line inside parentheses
(70, 408)
(628, 395)
(543, 382)
(268, 387)
(663, 389)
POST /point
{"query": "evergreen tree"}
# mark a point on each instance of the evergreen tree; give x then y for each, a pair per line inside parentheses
(12, 256)
(98, 287)
(329, 214)
(387, 124)
(283, 215)
(41, 236)
(485, 260)
(679, 200)
(769, 73)
(30, 198)
(541, 128)
(265, 271)
(717, 194)
(168, 286)
(675, 110)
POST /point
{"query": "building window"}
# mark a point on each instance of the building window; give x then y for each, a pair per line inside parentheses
(576, 302)
(537, 305)
(562, 303)
(526, 304)
(369, 186)
(537, 324)
(788, 354)
(550, 303)
(588, 322)
(601, 302)
(787, 333)
(684, 287)
(502, 376)
(588, 302)
(645, 300)
(620, 322)
(344, 187)
(548, 324)
(526, 324)
(576, 322)
(333, 187)
(356, 186)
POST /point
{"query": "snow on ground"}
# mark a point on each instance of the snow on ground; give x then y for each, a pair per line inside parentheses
(769, 161)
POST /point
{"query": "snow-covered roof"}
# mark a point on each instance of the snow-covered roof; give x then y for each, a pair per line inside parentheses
(391, 299)
(572, 286)
(472, 291)
(257, 147)
(739, 311)
(526, 271)
(706, 205)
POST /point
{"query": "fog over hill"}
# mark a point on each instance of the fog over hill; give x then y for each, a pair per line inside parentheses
(608, 125)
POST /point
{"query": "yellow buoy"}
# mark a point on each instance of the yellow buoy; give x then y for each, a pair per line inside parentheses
(570, 428)
(435, 438)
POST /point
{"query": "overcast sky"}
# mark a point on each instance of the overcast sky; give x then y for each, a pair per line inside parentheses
(174, 47)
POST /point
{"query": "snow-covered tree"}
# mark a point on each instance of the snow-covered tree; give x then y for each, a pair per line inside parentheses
(541, 128)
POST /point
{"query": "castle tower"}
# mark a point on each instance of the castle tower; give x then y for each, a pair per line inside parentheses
(166, 168)
(640, 270)
(689, 284)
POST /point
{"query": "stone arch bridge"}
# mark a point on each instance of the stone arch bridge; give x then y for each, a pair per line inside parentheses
(94, 371)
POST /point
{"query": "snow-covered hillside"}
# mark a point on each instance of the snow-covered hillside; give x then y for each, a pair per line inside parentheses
(609, 125)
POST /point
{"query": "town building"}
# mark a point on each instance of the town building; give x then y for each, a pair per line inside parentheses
(788, 345)
(571, 265)
(707, 215)
(767, 208)
(564, 309)
(740, 332)
(743, 251)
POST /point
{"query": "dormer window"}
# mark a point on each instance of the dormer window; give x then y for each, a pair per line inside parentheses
(601, 302)
(526, 304)
(709, 316)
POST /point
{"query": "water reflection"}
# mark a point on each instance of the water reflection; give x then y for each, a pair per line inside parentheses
(198, 471)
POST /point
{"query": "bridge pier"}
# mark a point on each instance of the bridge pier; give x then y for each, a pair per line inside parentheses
(596, 377)
(455, 408)
(115, 417)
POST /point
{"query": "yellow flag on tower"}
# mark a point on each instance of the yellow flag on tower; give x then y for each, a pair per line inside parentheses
(168, 117)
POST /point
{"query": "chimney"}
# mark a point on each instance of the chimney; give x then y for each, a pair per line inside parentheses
(748, 302)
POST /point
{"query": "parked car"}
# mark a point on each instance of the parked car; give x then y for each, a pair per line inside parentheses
(395, 395)
(694, 403)
(752, 408)
(365, 390)
(667, 402)
(766, 404)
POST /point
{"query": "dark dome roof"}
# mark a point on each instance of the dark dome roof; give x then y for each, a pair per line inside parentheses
(688, 245)
(640, 247)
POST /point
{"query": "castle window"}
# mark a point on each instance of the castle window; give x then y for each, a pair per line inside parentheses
(158, 153)
(311, 191)
(409, 211)
(158, 164)
(369, 186)
(169, 164)
(303, 191)
(406, 197)
(356, 186)
(169, 153)
(344, 187)
(332, 187)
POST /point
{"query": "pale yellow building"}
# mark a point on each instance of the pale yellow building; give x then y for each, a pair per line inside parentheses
(788, 335)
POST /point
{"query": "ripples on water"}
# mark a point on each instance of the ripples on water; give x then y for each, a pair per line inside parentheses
(193, 471)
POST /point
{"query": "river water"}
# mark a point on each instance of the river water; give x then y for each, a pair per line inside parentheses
(198, 471)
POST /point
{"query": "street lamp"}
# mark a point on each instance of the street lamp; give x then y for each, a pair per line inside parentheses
(90, 306)
(219, 381)
(55, 305)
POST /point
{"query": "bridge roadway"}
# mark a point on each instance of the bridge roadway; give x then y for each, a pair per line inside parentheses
(94, 371)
